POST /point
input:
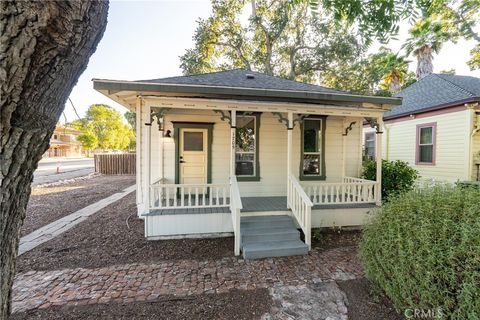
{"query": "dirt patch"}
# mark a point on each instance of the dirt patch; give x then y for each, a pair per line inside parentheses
(328, 239)
(236, 304)
(113, 236)
(363, 305)
(50, 203)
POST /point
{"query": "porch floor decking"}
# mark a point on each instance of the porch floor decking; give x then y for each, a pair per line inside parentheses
(256, 204)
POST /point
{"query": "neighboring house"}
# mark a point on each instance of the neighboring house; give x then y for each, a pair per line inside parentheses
(243, 152)
(63, 143)
(436, 129)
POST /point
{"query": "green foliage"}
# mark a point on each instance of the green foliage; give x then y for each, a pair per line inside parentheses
(474, 62)
(422, 250)
(397, 176)
(131, 119)
(382, 73)
(104, 128)
(277, 39)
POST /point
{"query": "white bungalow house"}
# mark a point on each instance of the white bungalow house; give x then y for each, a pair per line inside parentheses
(250, 154)
(436, 129)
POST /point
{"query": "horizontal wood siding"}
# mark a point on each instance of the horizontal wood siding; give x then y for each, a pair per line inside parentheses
(115, 164)
(272, 147)
(451, 145)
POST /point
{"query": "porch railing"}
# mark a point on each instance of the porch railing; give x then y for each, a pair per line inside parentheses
(235, 208)
(349, 191)
(301, 207)
(170, 196)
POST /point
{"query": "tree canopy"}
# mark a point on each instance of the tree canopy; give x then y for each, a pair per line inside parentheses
(104, 128)
(273, 37)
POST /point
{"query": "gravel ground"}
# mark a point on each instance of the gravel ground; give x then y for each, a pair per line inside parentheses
(329, 239)
(105, 239)
(49, 203)
(363, 305)
(235, 304)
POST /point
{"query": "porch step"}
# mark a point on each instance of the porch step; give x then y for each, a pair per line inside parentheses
(270, 236)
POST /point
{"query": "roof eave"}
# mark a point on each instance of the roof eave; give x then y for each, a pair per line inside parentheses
(433, 108)
(113, 85)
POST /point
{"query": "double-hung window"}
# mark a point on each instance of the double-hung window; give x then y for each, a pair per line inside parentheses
(426, 138)
(246, 147)
(312, 164)
(369, 142)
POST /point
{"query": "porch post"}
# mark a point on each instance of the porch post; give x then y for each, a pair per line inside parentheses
(147, 154)
(138, 151)
(289, 154)
(378, 159)
(233, 126)
(344, 148)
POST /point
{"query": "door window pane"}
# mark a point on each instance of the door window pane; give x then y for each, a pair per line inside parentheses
(193, 141)
(244, 164)
(311, 164)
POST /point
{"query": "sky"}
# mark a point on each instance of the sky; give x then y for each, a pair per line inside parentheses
(144, 40)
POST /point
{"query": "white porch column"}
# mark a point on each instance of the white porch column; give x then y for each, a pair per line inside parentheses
(344, 148)
(233, 126)
(378, 159)
(138, 152)
(289, 153)
(147, 156)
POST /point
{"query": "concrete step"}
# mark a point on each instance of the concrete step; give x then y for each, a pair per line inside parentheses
(269, 234)
(267, 249)
(266, 223)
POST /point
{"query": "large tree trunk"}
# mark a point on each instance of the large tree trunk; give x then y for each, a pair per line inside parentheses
(45, 46)
(424, 62)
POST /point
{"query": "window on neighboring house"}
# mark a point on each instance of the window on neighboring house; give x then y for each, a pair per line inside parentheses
(55, 137)
(369, 142)
(313, 149)
(426, 143)
(246, 147)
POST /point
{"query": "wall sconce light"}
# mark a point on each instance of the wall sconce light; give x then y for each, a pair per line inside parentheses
(167, 134)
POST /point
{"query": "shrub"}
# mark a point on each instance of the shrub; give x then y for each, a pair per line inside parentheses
(422, 250)
(397, 176)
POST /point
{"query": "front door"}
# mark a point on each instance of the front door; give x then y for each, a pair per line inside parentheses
(193, 156)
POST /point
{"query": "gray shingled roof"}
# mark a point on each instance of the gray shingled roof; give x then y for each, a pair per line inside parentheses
(435, 90)
(238, 78)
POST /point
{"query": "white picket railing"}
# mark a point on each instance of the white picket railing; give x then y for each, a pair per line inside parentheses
(172, 196)
(235, 208)
(301, 207)
(349, 191)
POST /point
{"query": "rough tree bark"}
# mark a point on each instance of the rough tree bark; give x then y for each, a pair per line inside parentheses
(424, 61)
(44, 47)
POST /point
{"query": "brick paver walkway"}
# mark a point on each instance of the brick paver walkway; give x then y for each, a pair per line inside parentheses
(140, 282)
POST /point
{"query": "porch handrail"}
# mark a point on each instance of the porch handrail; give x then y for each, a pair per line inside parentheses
(235, 208)
(349, 191)
(175, 195)
(301, 207)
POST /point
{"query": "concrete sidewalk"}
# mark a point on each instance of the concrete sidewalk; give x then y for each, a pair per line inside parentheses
(61, 225)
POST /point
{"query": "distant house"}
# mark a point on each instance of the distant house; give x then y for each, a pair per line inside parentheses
(250, 154)
(63, 143)
(436, 129)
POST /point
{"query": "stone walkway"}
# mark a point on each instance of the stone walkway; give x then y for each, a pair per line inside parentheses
(147, 282)
(59, 226)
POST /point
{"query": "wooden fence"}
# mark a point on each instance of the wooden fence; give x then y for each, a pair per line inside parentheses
(112, 164)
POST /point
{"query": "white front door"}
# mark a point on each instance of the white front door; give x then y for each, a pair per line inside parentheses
(193, 156)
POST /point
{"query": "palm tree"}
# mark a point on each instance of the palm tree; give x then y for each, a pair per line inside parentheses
(395, 71)
(426, 38)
